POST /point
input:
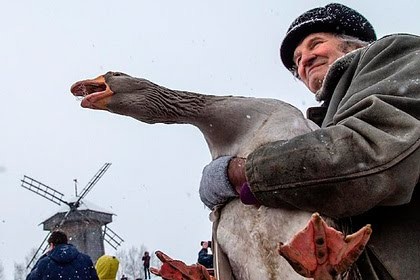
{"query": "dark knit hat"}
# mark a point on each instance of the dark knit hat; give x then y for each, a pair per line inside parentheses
(334, 18)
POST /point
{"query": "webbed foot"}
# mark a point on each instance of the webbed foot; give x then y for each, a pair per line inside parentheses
(321, 252)
(177, 270)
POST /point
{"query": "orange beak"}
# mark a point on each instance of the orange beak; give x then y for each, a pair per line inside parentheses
(96, 93)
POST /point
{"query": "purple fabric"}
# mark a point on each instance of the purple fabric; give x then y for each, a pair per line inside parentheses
(246, 196)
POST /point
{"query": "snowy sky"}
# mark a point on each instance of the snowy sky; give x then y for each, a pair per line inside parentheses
(216, 47)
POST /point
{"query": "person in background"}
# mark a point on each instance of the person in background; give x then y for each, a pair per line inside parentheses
(62, 261)
(204, 258)
(146, 264)
(362, 166)
(107, 267)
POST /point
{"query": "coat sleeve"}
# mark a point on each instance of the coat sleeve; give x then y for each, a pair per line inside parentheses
(92, 271)
(367, 154)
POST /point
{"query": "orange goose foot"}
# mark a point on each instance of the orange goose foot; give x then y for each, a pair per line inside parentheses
(177, 270)
(321, 252)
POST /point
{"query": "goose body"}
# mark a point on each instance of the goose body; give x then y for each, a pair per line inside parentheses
(231, 125)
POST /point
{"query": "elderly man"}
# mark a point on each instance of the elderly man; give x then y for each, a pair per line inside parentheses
(362, 166)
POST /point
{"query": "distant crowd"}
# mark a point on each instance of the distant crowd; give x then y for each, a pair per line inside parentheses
(63, 261)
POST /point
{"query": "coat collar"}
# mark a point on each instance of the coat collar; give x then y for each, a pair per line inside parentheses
(337, 69)
(333, 76)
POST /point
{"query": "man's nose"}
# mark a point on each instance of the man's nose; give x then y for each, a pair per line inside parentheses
(307, 59)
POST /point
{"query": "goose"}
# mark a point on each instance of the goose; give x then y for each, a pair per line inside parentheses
(246, 236)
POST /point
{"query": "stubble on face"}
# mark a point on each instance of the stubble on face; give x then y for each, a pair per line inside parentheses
(316, 77)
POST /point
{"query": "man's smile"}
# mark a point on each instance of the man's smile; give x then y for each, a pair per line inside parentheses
(313, 67)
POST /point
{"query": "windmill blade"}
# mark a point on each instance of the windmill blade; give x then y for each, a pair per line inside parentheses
(66, 215)
(42, 190)
(72, 207)
(113, 239)
(93, 181)
(41, 249)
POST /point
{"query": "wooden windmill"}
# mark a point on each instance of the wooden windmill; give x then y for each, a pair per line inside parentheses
(84, 224)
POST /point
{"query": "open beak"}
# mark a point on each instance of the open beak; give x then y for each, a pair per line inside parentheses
(96, 93)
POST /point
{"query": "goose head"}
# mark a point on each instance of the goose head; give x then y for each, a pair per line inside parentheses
(139, 98)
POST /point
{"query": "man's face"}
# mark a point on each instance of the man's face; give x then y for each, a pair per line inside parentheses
(313, 57)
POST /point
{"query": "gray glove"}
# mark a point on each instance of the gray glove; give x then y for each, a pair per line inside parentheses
(215, 188)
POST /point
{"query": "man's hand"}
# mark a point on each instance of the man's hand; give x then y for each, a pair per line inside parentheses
(236, 173)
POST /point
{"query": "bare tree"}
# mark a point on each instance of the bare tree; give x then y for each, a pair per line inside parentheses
(2, 277)
(20, 271)
(131, 264)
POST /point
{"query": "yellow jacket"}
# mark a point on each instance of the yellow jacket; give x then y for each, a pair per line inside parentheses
(107, 267)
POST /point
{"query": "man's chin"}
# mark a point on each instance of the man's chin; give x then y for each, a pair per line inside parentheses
(315, 86)
(315, 83)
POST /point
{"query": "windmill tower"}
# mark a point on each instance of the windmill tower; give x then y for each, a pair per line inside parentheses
(84, 223)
